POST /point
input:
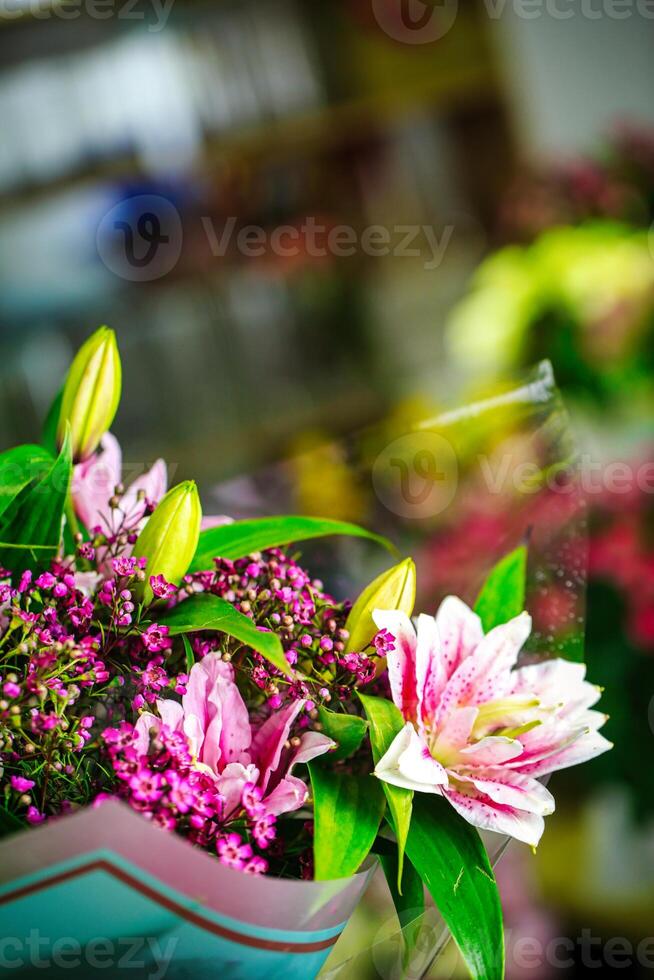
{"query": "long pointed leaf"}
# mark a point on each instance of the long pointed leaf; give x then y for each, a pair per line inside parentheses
(503, 594)
(49, 432)
(347, 813)
(449, 856)
(210, 612)
(385, 722)
(246, 537)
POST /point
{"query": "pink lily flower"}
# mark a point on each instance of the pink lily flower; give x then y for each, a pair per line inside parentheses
(95, 480)
(215, 720)
(479, 730)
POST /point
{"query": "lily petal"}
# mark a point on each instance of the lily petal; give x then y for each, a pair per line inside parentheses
(268, 742)
(231, 782)
(490, 751)
(146, 722)
(408, 763)
(402, 660)
(480, 811)
(94, 483)
(586, 747)
(486, 676)
(154, 484)
(513, 789)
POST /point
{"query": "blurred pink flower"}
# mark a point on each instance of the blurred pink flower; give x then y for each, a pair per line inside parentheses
(215, 720)
(478, 731)
(95, 482)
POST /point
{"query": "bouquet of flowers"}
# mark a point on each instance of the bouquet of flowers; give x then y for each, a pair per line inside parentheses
(185, 710)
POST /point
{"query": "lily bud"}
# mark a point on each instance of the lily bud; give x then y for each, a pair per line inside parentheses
(170, 538)
(393, 589)
(91, 393)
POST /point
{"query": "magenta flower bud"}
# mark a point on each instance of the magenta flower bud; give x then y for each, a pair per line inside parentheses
(91, 394)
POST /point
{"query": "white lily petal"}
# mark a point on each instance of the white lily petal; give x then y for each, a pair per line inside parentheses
(408, 763)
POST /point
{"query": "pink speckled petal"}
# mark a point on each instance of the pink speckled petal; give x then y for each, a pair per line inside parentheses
(401, 661)
(480, 811)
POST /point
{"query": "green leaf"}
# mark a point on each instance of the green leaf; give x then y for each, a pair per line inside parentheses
(503, 594)
(449, 856)
(188, 652)
(31, 525)
(347, 813)
(347, 731)
(246, 537)
(18, 468)
(210, 612)
(385, 723)
(9, 824)
(49, 431)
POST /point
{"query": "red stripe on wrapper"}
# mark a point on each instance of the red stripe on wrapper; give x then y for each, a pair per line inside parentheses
(172, 906)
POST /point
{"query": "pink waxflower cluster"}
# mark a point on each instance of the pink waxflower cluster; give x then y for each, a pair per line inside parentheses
(275, 592)
(165, 786)
(97, 698)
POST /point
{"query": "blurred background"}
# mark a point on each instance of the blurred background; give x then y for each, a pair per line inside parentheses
(306, 218)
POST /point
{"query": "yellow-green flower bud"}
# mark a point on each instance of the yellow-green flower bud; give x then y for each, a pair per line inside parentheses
(91, 393)
(170, 538)
(393, 589)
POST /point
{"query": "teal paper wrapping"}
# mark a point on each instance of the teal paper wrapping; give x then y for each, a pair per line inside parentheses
(104, 891)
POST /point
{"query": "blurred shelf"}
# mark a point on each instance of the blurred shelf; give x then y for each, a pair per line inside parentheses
(309, 133)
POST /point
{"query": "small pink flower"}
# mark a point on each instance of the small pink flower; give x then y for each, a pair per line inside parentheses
(233, 852)
(161, 589)
(34, 816)
(124, 566)
(480, 731)
(21, 785)
(155, 638)
(11, 689)
(146, 786)
(257, 866)
(264, 830)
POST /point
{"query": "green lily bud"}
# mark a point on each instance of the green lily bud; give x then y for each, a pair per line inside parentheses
(170, 538)
(91, 393)
(393, 589)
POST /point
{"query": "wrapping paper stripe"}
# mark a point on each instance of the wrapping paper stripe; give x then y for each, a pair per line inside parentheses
(171, 905)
